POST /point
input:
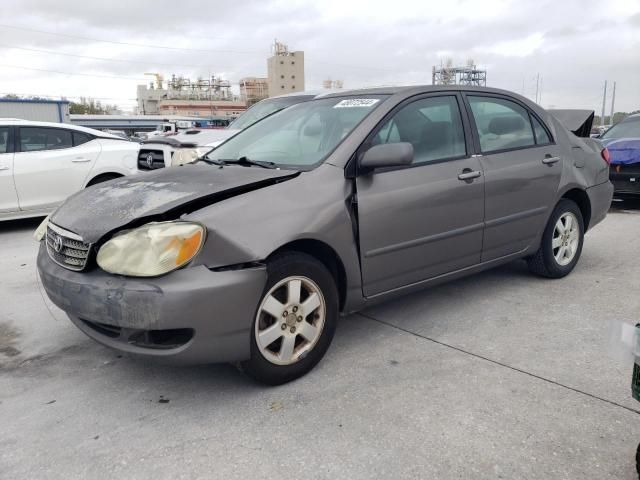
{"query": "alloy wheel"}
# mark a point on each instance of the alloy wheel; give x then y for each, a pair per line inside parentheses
(566, 238)
(290, 320)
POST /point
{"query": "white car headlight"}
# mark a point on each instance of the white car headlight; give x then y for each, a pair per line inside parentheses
(183, 156)
(153, 249)
(41, 231)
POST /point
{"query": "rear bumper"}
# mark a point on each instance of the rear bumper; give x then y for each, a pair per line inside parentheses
(600, 197)
(189, 316)
(626, 181)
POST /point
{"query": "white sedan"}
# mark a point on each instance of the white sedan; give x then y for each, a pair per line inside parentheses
(42, 163)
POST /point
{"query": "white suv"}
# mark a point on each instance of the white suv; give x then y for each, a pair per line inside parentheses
(42, 163)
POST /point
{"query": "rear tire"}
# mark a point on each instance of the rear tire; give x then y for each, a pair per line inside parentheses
(561, 243)
(295, 319)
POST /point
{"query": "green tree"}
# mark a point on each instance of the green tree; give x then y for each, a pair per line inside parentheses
(617, 117)
(90, 106)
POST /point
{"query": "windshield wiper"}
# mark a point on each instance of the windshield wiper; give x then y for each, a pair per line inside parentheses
(247, 162)
(204, 159)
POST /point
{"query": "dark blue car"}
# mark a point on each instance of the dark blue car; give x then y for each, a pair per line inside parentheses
(623, 143)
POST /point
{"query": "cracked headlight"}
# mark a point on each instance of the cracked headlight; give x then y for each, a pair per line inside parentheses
(188, 155)
(153, 249)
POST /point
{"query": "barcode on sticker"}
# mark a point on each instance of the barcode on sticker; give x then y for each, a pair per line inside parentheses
(356, 102)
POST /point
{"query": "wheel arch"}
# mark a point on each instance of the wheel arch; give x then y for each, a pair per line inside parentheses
(103, 177)
(326, 255)
(580, 197)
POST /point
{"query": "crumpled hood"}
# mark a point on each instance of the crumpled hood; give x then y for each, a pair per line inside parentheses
(163, 194)
(622, 151)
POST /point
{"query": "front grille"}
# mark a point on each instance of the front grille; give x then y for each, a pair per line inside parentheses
(111, 331)
(152, 339)
(150, 159)
(66, 248)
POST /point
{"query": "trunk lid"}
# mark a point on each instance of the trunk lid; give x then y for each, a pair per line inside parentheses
(577, 121)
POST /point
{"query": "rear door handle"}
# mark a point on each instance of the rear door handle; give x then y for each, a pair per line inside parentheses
(469, 175)
(80, 160)
(4, 167)
(549, 160)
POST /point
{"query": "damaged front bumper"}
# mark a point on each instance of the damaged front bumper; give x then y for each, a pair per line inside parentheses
(189, 316)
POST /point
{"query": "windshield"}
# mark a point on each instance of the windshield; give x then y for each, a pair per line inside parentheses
(300, 136)
(626, 129)
(265, 108)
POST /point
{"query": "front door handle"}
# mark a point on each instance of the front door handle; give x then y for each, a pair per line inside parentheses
(469, 174)
(80, 160)
(550, 160)
(4, 167)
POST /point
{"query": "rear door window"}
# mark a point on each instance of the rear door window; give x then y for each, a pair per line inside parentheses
(34, 139)
(501, 124)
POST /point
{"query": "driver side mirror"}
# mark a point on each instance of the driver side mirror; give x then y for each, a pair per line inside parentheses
(387, 155)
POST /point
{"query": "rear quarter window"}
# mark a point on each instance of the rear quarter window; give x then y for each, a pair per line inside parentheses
(542, 137)
(79, 138)
(4, 139)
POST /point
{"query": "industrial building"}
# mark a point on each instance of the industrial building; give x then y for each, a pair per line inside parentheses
(35, 110)
(468, 74)
(253, 89)
(180, 96)
(212, 97)
(285, 70)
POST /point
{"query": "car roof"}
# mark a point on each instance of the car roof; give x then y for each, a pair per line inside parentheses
(391, 90)
(69, 126)
(631, 118)
(322, 92)
(294, 94)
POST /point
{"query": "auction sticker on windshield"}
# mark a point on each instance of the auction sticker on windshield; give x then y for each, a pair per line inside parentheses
(356, 102)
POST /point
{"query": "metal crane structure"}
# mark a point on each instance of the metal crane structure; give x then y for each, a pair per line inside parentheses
(332, 84)
(159, 80)
(214, 88)
(469, 74)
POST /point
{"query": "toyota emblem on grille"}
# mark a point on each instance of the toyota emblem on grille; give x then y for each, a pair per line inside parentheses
(150, 160)
(57, 244)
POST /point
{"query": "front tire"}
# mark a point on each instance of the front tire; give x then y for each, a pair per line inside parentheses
(295, 320)
(561, 243)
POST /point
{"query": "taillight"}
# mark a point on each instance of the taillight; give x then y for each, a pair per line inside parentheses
(605, 156)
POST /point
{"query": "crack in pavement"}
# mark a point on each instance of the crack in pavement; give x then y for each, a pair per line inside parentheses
(496, 362)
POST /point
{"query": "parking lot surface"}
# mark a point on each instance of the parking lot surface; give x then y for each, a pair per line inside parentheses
(499, 375)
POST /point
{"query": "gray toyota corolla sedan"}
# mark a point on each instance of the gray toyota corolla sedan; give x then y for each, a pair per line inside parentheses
(251, 254)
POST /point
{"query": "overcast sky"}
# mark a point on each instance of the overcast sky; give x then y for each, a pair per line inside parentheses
(574, 45)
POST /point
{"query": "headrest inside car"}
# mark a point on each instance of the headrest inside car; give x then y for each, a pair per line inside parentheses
(507, 124)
